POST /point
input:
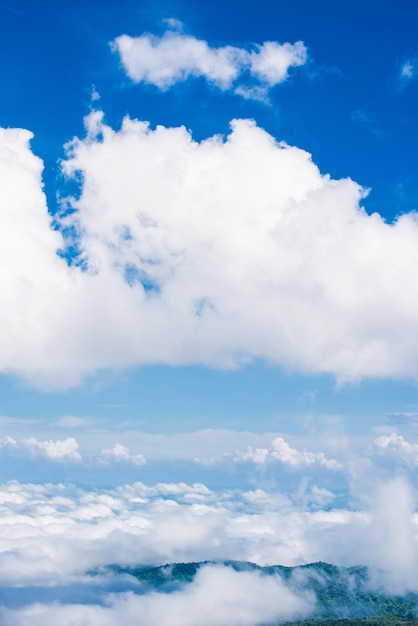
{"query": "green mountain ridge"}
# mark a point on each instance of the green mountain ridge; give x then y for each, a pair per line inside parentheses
(344, 595)
(391, 620)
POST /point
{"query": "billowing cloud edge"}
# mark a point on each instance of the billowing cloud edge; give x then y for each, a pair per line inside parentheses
(216, 252)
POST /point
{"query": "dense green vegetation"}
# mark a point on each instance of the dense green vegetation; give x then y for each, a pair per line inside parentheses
(390, 620)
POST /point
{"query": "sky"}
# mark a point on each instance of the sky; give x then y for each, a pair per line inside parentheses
(208, 300)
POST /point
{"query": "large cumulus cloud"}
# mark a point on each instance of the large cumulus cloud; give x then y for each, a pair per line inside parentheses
(214, 252)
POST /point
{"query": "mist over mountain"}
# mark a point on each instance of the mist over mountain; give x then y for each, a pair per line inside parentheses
(338, 593)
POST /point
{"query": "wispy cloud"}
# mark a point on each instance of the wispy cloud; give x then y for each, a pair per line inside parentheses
(361, 116)
(408, 71)
(368, 121)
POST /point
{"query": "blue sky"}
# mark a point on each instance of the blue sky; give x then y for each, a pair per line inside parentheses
(211, 315)
(355, 60)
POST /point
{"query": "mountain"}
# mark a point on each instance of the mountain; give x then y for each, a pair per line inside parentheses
(344, 595)
(390, 620)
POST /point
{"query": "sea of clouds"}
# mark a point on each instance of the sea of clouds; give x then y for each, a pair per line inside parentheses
(53, 535)
(288, 500)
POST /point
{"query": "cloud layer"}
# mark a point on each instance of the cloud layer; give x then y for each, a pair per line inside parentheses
(51, 535)
(308, 471)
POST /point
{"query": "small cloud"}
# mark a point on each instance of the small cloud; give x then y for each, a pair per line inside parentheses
(257, 455)
(256, 92)
(271, 61)
(397, 447)
(407, 70)
(174, 24)
(300, 458)
(94, 94)
(175, 57)
(58, 450)
(291, 457)
(121, 454)
(320, 497)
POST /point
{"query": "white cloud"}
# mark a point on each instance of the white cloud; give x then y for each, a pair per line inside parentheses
(253, 92)
(281, 451)
(121, 453)
(300, 458)
(257, 455)
(205, 454)
(306, 255)
(54, 450)
(246, 252)
(58, 450)
(320, 497)
(397, 447)
(165, 523)
(271, 62)
(174, 57)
